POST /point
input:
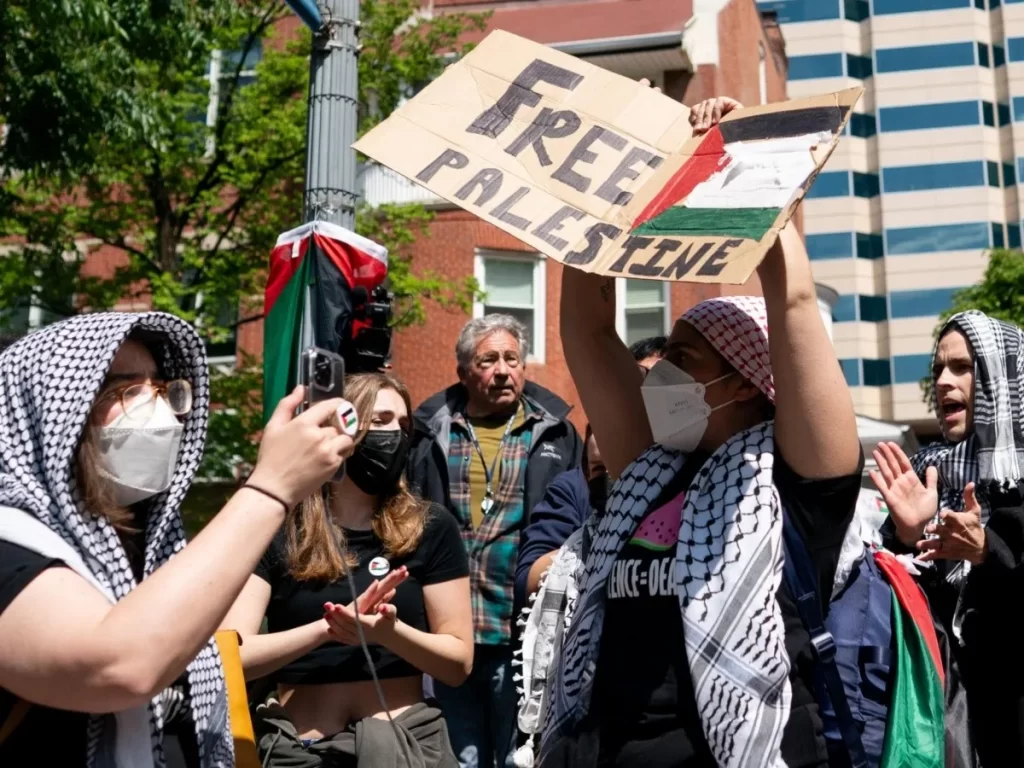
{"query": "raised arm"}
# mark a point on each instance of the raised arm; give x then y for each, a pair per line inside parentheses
(80, 653)
(815, 425)
(606, 376)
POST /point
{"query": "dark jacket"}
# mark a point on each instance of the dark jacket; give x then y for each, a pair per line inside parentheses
(555, 446)
(564, 508)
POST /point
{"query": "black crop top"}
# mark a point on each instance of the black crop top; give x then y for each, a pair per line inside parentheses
(440, 557)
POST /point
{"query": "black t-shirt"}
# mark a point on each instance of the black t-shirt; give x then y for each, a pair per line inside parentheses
(64, 732)
(644, 702)
(440, 557)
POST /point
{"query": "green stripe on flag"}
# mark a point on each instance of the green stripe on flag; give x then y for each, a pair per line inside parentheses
(915, 732)
(282, 331)
(745, 223)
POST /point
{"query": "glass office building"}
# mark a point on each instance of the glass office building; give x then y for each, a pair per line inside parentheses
(925, 180)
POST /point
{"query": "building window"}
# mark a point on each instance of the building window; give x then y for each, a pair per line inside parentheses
(983, 55)
(815, 66)
(861, 125)
(919, 57)
(872, 309)
(851, 370)
(998, 56)
(917, 178)
(845, 310)
(1004, 114)
(223, 352)
(514, 284)
(830, 245)
(1009, 175)
(877, 373)
(945, 237)
(1018, 108)
(952, 114)
(1015, 48)
(220, 73)
(998, 239)
(988, 114)
(858, 66)
(856, 10)
(830, 184)
(921, 303)
(869, 246)
(910, 369)
(791, 11)
(762, 74)
(886, 7)
(865, 184)
(642, 309)
(1013, 236)
(992, 169)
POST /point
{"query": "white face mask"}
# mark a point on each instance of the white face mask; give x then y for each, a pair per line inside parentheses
(140, 458)
(676, 407)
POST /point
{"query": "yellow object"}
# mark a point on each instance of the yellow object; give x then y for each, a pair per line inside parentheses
(228, 642)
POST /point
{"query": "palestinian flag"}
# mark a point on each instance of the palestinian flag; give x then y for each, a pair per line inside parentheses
(915, 732)
(314, 270)
(743, 175)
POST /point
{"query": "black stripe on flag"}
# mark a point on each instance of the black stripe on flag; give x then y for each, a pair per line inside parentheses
(784, 123)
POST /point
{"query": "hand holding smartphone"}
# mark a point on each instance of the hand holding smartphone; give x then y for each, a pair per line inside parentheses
(322, 373)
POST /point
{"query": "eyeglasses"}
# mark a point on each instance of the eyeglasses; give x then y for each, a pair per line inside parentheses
(138, 401)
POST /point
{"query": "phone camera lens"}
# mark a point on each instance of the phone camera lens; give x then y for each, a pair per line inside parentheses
(322, 374)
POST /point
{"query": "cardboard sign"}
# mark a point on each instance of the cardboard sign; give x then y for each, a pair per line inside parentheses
(603, 174)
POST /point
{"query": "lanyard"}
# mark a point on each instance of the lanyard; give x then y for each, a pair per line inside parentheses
(488, 501)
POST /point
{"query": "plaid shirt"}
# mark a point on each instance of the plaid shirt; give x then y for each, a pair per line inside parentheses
(494, 546)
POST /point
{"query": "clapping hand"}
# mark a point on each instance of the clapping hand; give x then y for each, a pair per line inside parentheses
(959, 535)
(911, 504)
(376, 614)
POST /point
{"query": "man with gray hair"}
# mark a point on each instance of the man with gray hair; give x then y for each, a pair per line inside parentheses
(486, 449)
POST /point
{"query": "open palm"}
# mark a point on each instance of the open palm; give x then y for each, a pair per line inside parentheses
(912, 504)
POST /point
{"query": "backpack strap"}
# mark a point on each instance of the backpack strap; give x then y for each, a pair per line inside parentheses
(14, 718)
(802, 581)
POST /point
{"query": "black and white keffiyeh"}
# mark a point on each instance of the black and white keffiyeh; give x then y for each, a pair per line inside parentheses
(49, 381)
(729, 557)
(992, 457)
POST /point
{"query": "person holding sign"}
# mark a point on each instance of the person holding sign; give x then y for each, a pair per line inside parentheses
(683, 649)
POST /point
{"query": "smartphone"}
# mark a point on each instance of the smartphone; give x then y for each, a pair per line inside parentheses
(322, 373)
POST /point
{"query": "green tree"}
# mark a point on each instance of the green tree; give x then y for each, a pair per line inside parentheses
(122, 137)
(1000, 294)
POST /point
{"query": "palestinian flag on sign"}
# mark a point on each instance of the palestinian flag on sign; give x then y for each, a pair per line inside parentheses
(745, 172)
(915, 731)
(308, 302)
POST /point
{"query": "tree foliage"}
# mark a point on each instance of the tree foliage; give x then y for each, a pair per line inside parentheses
(132, 176)
(1000, 294)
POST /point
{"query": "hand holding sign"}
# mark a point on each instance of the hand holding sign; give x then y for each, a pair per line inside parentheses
(603, 173)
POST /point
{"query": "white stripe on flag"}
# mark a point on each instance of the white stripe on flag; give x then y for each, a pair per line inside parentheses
(760, 174)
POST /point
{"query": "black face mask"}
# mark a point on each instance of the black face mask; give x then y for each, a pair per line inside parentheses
(600, 488)
(378, 461)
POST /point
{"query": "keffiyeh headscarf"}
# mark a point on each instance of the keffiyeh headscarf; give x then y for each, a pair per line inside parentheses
(49, 382)
(992, 456)
(729, 557)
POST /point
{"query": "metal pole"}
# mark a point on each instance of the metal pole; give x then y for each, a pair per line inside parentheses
(333, 113)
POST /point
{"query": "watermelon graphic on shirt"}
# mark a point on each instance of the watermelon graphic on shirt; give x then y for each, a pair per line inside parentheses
(660, 529)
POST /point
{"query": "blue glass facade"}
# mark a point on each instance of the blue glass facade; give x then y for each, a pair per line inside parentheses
(904, 241)
(815, 65)
(951, 114)
(939, 56)
(922, 303)
(884, 7)
(910, 369)
(917, 178)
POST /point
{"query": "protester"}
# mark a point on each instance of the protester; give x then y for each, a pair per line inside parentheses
(971, 556)
(411, 576)
(569, 499)
(706, 452)
(486, 449)
(102, 424)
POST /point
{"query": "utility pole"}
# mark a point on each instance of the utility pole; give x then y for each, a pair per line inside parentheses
(333, 114)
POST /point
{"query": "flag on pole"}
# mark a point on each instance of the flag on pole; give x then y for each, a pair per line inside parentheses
(915, 732)
(314, 270)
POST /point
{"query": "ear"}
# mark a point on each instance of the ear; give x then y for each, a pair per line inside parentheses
(745, 390)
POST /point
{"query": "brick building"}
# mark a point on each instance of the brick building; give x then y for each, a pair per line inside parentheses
(692, 49)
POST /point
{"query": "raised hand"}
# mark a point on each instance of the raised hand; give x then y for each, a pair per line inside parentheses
(911, 504)
(709, 112)
(960, 535)
(300, 453)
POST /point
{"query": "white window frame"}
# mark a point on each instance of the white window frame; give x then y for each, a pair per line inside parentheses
(620, 306)
(214, 76)
(539, 262)
(762, 73)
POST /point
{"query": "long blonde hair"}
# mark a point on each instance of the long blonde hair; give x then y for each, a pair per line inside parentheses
(316, 548)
